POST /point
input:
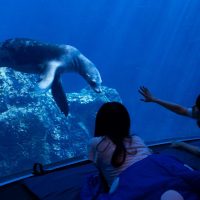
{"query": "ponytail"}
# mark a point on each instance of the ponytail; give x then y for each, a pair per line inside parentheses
(119, 155)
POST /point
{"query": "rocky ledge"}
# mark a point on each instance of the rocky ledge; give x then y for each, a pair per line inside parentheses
(32, 128)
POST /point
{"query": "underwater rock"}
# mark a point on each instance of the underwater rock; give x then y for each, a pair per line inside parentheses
(32, 128)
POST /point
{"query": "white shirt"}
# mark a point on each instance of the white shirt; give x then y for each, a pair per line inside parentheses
(101, 150)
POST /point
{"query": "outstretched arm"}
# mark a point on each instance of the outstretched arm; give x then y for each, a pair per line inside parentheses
(148, 97)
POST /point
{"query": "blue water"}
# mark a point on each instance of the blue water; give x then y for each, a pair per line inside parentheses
(132, 42)
(155, 43)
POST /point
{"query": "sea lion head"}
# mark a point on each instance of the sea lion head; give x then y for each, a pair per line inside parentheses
(94, 79)
(90, 73)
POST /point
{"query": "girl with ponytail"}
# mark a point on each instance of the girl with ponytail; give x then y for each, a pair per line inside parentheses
(113, 147)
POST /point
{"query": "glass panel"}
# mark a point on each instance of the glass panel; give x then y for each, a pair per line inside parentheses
(131, 42)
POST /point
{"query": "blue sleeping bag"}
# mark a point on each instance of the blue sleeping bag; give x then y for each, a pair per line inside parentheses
(149, 178)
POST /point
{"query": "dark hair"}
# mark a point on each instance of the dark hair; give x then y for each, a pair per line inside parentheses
(113, 121)
(198, 102)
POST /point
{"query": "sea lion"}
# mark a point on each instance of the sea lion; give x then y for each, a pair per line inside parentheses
(49, 61)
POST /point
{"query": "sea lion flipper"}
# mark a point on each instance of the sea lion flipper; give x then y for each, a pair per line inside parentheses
(48, 75)
(59, 95)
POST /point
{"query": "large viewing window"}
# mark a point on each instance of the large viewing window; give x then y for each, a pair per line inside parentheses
(132, 43)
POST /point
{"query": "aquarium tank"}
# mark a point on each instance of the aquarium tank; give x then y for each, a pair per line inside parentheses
(132, 43)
